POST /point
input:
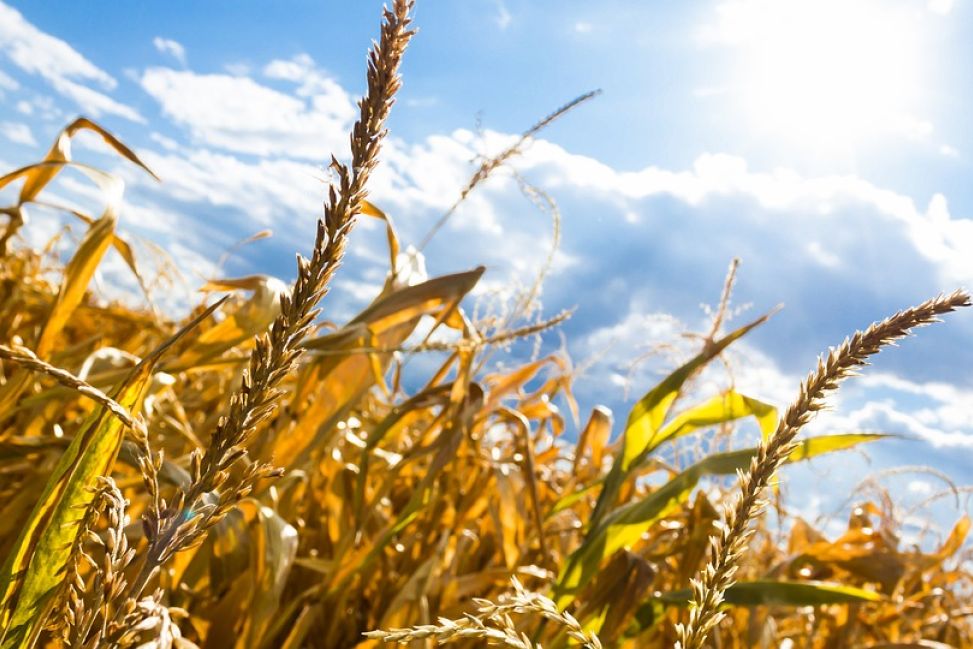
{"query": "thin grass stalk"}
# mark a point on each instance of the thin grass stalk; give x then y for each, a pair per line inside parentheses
(501, 338)
(722, 311)
(489, 165)
(729, 545)
(28, 360)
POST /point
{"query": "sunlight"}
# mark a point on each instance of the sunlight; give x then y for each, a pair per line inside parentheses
(827, 73)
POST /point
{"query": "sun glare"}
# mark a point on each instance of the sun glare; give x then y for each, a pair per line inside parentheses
(827, 73)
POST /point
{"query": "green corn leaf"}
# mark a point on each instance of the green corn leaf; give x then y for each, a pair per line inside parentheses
(643, 431)
(753, 593)
(34, 570)
(781, 593)
(644, 427)
(722, 408)
(626, 524)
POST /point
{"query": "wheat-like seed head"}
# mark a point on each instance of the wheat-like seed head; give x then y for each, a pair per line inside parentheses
(729, 545)
(492, 622)
(174, 526)
(85, 609)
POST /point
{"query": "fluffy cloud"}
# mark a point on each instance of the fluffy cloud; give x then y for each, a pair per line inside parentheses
(311, 81)
(171, 48)
(246, 152)
(95, 103)
(933, 232)
(942, 7)
(239, 114)
(18, 133)
(262, 193)
(7, 82)
(38, 53)
(503, 18)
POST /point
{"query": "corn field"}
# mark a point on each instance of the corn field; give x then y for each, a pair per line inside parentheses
(249, 474)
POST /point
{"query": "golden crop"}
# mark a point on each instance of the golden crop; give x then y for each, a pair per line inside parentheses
(249, 477)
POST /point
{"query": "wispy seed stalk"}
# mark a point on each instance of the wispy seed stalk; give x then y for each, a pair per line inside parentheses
(489, 165)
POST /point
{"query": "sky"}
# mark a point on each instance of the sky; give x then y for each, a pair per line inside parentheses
(825, 143)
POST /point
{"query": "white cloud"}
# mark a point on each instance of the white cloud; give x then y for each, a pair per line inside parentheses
(920, 487)
(295, 69)
(267, 192)
(18, 132)
(51, 58)
(944, 405)
(171, 48)
(166, 143)
(503, 17)
(824, 257)
(425, 178)
(237, 69)
(7, 82)
(95, 103)
(889, 417)
(313, 82)
(35, 52)
(358, 290)
(41, 105)
(942, 7)
(430, 174)
(936, 413)
(934, 233)
(583, 27)
(238, 114)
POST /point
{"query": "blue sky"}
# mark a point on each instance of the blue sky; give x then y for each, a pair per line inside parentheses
(827, 144)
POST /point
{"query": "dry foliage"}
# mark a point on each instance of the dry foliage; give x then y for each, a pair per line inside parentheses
(249, 478)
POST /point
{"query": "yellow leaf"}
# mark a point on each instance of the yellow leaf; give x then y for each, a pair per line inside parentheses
(77, 275)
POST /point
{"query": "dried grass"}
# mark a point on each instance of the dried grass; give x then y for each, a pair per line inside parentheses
(292, 487)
